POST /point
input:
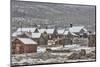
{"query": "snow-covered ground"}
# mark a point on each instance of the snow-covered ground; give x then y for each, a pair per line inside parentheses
(54, 57)
(41, 49)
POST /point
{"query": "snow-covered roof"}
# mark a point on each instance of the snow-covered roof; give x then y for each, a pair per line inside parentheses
(66, 33)
(18, 32)
(49, 31)
(36, 35)
(27, 40)
(15, 34)
(74, 34)
(26, 29)
(60, 31)
(42, 30)
(76, 28)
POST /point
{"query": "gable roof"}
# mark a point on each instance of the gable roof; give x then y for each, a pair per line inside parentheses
(49, 31)
(67, 32)
(15, 34)
(26, 29)
(18, 32)
(42, 30)
(36, 35)
(77, 28)
(60, 31)
(27, 40)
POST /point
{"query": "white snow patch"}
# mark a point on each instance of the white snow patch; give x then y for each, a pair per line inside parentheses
(41, 49)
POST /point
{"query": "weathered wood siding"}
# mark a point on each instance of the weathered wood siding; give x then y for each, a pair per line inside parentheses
(92, 41)
(19, 48)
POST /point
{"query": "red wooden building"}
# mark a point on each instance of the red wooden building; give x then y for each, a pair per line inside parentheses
(23, 45)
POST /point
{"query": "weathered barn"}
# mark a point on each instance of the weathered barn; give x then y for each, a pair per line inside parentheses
(23, 45)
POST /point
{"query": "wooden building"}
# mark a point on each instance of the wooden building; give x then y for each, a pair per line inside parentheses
(92, 40)
(43, 38)
(79, 30)
(23, 45)
(34, 36)
(52, 35)
(51, 32)
(65, 37)
(60, 33)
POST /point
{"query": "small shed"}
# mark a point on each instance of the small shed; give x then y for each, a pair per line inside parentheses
(23, 45)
